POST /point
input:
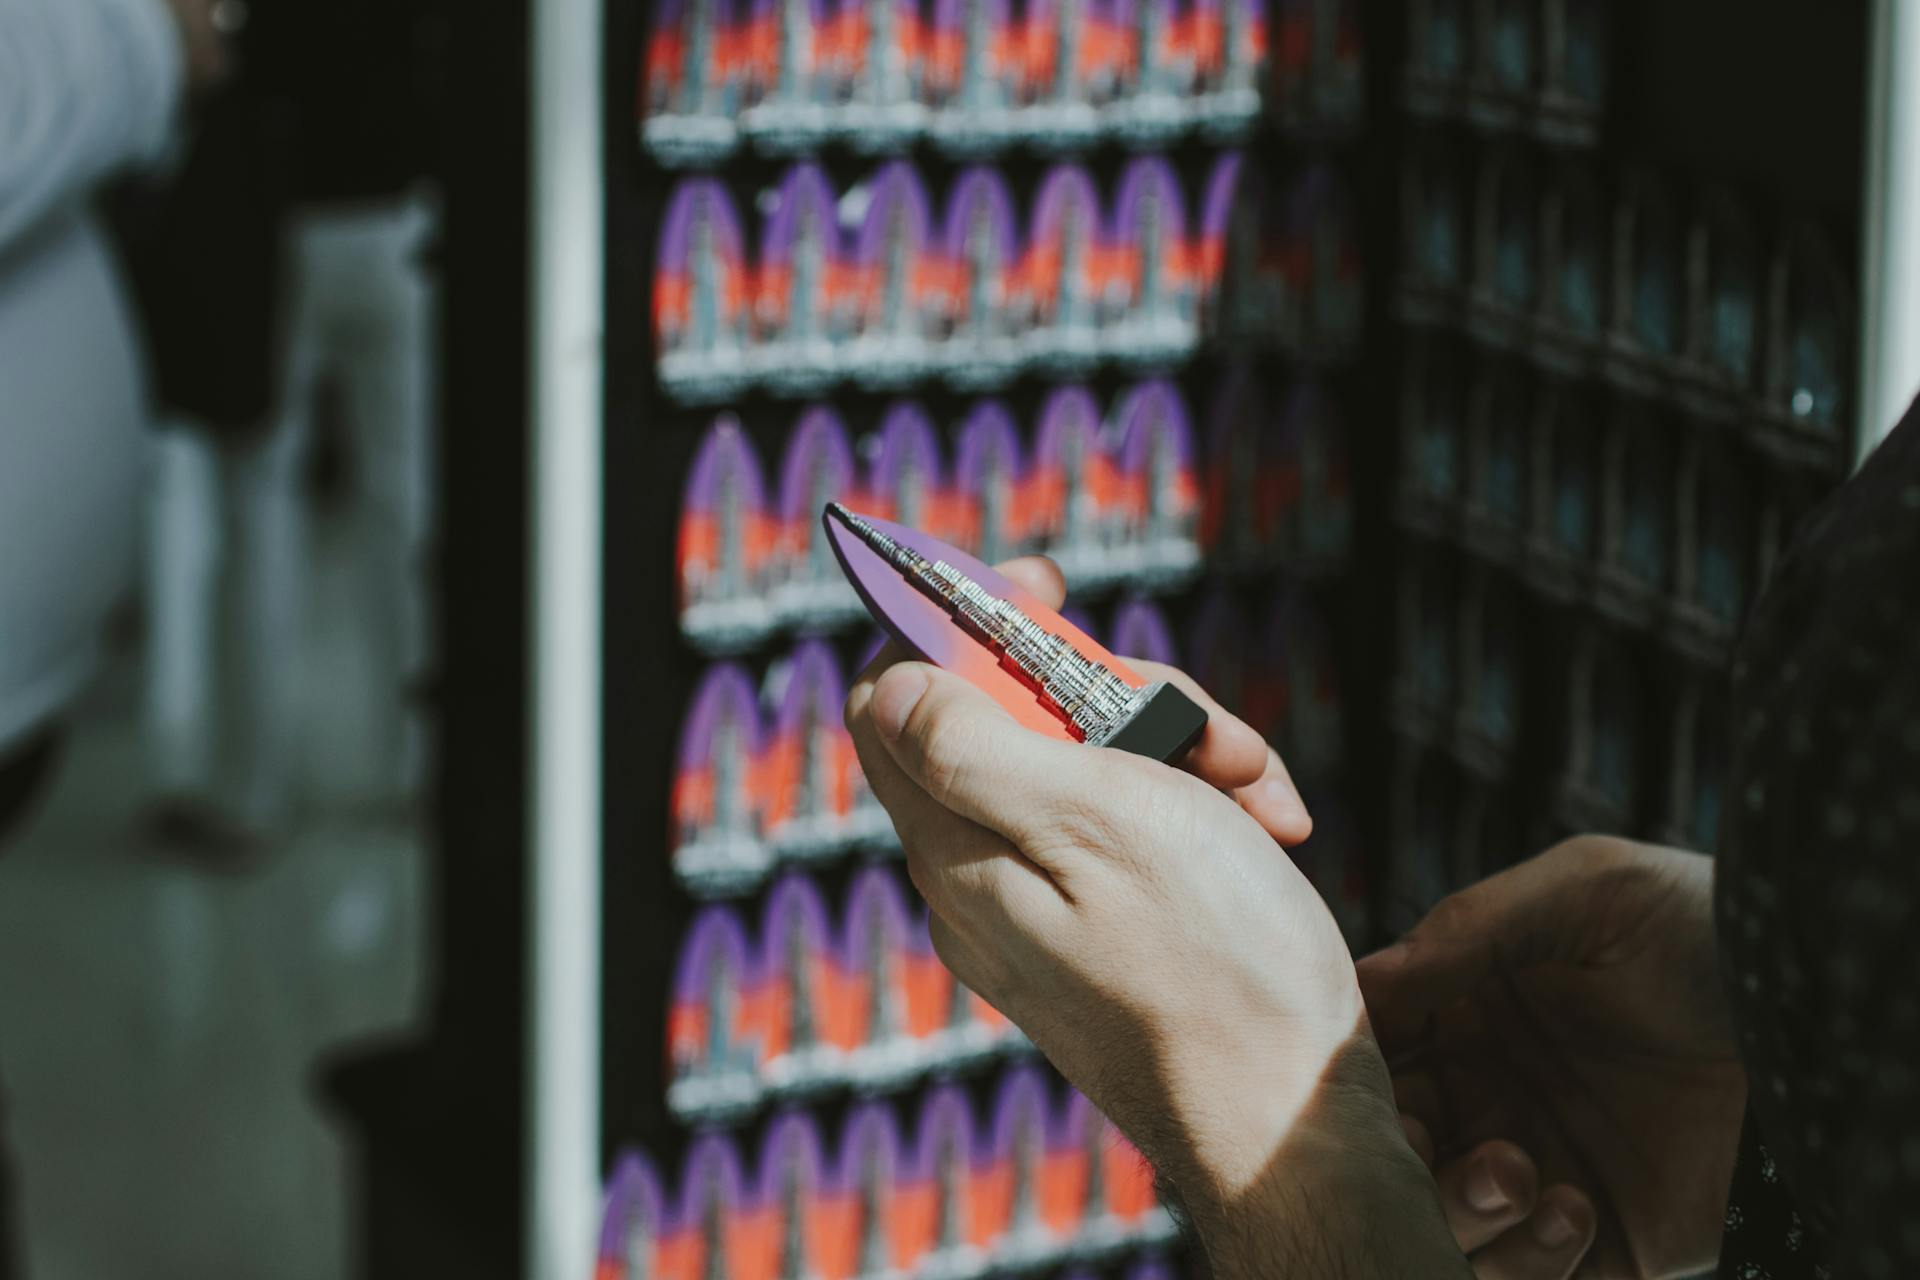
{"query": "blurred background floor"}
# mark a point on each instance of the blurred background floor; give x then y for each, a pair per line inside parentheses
(159, 1023)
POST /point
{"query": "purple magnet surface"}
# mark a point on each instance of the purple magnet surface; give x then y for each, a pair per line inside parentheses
(874, 900)
(795, 902)
(805, 187)
(905, 440)
(1065, 187)
(793, 1136)
(690, 197)
(819, 440)
(989, 444)
(871, 1154)
(945, 1124)
(896, 190)
(712, 1168)
(634, 1205)
(1151, 403)
(717, 937)
(1021, 1099)
(976, 191)
(1143, 174)
(726, 452)
(1068, 410)
(1140, 631)
(725, 690)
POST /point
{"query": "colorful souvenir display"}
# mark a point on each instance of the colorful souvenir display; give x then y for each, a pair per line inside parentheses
(1158, 499)
(726, 542)
(876, 286)
(811, 999)
(689, 81)
(1044, 1182)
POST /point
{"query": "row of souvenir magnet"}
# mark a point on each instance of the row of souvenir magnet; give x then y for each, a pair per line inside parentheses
(1660, 523)
(864, 285)
(803, 1005)
(1690, 305)
(1048, 1181)
(765, 781)
(973, 75)
(1127, 501)
(1455, 823)
(807, 1005)
(1539, 66)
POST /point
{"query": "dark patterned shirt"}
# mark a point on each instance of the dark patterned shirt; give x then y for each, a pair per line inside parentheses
(1817, 890)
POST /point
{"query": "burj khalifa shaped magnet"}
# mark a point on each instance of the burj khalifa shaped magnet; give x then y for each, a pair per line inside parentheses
(688, 103)
(957, 613)
(787, 80)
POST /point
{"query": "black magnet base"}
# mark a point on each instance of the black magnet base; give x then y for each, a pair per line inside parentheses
(1165, 729)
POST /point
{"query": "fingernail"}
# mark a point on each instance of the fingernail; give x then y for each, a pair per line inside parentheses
(1483, 1189)
(895, 697)
(1554, 1229)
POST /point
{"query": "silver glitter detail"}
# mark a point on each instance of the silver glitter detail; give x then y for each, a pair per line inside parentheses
(1093, 701)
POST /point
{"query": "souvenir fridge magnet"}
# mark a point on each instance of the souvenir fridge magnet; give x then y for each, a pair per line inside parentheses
(818, 468)
(1250, 487)
(1210, 245)
(700, 293)
(714, 1059)
(690, 90)
(989, 518)
(810, 778)
(1506, 74)
(937, 1193)
(1494, 514)
(713, 1237)
(792, 1197)
(1159, 494)
(1433, 272)
(1437, 56)
(1116, 1201)
(1293, 692)
(1216, 649)
(971, 73)
(893, 276)
(725, 543)
(1637, 516)
(884, 64)
(1023, 1189)
(873, 942)
(1154, 297)
(1155, 96)
(717, 818)
(1070, 48)
(1326, 273)
(957, 613)
(1721, 354)
(1061, 276)
(1074, 489)
(1433, 411)
(863, 1205)
(1573, 85)
(1563, 541)
(787, 82)
(805, 1017)
(1506, 276)
(1230, 44)
(798, 314)
(980, 261)
(632, 1225)
(904, 478)
(1316, 77)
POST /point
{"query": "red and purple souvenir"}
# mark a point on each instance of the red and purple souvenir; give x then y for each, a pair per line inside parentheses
(1063, 274)
(800, 290)
(1153, 276)
(818, 468)
(712, 1233)
(718, 845)
(942, 1224)
(725, 543)
(1027, 1187)
(1159, 492)
(1140, 631)
(896, 278)
(1161, 67)
(1326, 273)
(954, 1025)
(1251, 485)
(1316, 73)
(700, 287)
(793, 1191)
(1112, 1186)
(813, 794)
(1311, 425)
(806, 1016)
(1230, 53)
(972, 72)
(1074, 489)
(1255, 280)
(1072, 58)
(989, 522)
(860, 1219)
(873, 954)
(1217, 206)
(951, 610)
(714, 1052)
(633, 1223)
(883, 61)
(904, 479)
(787, 77)
(980, 264)
(690, 74)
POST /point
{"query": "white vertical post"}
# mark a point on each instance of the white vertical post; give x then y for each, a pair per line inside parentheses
(568, 324)
(1890, 232)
